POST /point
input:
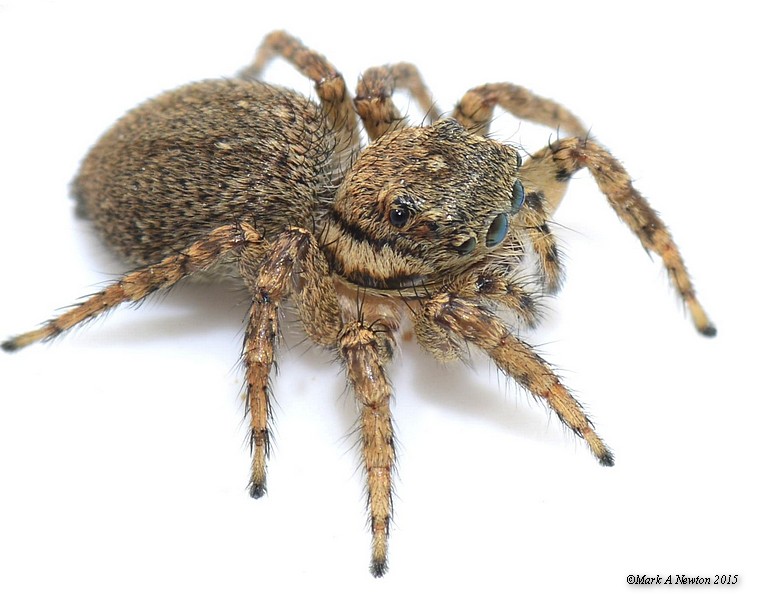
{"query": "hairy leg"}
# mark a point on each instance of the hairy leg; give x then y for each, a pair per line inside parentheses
(365, 352)
(328, 82)
(134, 286)
(475, 109)
(293, 267)
(374, 93)
(465, 320)
(546, 174)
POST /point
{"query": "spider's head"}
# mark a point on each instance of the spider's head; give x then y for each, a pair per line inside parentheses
(422, 203)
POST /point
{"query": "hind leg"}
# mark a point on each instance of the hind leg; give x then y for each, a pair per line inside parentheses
(328, 82)
(138, 284)
(374, 101)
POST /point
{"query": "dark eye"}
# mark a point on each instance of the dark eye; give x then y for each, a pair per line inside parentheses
(398, 216)
(497, 231)
(518, 196)
(467, 246)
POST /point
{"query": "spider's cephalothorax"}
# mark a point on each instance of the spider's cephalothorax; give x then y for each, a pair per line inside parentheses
(430, 224)
(419, 204)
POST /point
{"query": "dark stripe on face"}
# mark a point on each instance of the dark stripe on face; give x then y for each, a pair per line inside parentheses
(366, 274)
(399, 244)
(392, 283)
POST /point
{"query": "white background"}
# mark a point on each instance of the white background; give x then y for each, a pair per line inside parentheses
(122, 457)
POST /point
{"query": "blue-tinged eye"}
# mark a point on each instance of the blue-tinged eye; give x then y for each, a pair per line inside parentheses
(497, 231)
(467, 247)
(518, 196)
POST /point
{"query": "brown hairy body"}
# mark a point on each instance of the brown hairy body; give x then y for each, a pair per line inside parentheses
(437, 225)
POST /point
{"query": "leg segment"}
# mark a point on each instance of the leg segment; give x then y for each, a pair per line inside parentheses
(532, 220)
(134, 286)
(562, 159)
(261, 336)
(475, 109)
(373, 99)
(364, 353)
(328, 82)
(468, 321)
(294, 267)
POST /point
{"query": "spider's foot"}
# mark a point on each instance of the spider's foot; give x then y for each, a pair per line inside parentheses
(10, 345)
(25, 339)
(257, 487)
(701, 320)
(379, 564)
(598, 447)
(257, 491)
(607, 459)
(378, 567)
(709, 330)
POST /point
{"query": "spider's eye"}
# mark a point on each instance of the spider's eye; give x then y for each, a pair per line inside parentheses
(467, 246)
(398, 216)
(497, 231)
(518, 196)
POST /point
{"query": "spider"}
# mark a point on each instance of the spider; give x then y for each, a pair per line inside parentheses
(435, 227)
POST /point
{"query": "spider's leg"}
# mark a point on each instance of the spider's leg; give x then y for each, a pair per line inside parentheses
(136, 285)
(546, 174)
(531, 221)
(261, 334)
(293, 267)
(328, 83)
(374, 93)
(364, 352)
(545, 177)
(475, 109)
(461, 319)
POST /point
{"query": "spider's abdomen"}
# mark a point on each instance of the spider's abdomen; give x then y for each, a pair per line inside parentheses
(201, 156)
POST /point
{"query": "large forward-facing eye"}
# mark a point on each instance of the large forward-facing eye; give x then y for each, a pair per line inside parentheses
(497, 231)
(398, 216)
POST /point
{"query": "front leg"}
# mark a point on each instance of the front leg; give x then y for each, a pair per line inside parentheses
(458, 319)
(545, 177)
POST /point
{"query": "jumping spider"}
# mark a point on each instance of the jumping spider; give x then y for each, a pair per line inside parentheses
(429, 225)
